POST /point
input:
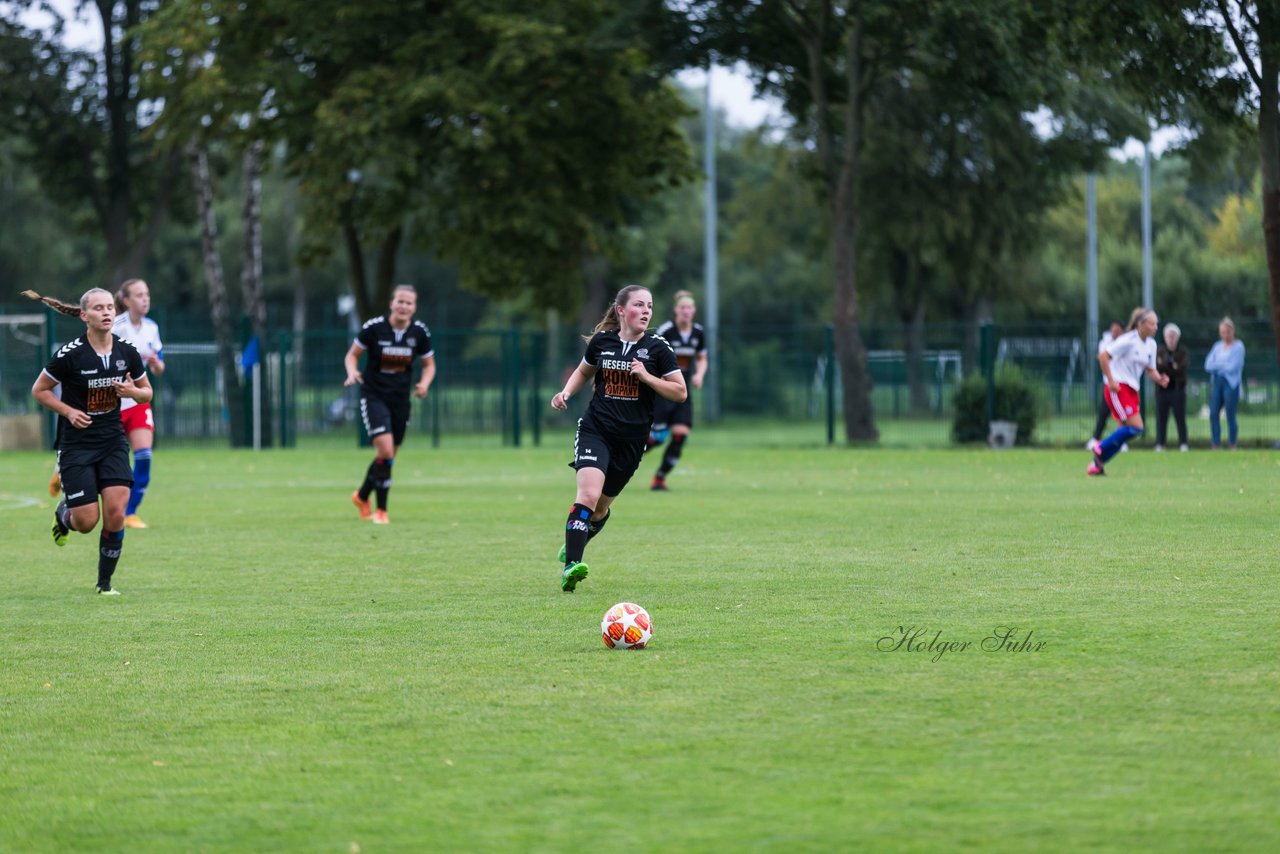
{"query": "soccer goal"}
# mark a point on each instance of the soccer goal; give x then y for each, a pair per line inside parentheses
(22, 355)
(1056, 361)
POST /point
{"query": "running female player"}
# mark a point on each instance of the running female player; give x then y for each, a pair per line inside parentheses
(392, 342)
(133, 302)
(630, 367)
(1123, 362)
(95, 372)
(689, 341)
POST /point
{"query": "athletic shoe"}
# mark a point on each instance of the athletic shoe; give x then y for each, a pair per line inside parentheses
(1091, 445)
(362, 505)
(60, 531)
(1124, 449)
(1183, 447)
(55, 484)
(380, 517)
(133, 520)
(1158, 448)
(107, 591)
(1094, 470)
(659, 485)
(573, 573)
(562, 556)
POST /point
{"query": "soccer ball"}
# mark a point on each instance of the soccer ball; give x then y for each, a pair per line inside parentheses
(626, 626)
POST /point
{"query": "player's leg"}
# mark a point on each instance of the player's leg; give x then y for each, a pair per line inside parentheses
(111, 539)
(78, 509)
(590, 481)
(377, 422)
(671, 456)
(141, 432)
(386, 447)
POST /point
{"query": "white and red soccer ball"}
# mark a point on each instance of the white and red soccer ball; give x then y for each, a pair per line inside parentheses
(626, 626)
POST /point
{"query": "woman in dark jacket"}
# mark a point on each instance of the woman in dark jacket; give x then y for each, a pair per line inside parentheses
(1172, 359)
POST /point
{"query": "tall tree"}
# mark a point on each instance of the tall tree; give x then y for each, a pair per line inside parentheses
(504, 137)
(87, 126)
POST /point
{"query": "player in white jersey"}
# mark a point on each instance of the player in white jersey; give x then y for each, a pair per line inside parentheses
(1123, 362)
(133, 302)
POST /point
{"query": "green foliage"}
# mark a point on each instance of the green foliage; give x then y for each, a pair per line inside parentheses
(1016, 399)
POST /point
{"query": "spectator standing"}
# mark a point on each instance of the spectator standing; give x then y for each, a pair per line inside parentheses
(1225, 364)
(1172, 360)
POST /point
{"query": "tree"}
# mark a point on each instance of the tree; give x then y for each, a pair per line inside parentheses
(87, 127)
(505, 138)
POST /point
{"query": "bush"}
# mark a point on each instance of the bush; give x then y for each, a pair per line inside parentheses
(1016, 400)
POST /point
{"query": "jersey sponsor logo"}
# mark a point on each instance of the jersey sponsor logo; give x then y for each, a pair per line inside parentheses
(616, 365)
(396, 360)
(621, 385)
(89, 373)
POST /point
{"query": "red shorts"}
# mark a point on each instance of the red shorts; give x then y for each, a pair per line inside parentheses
(137, 418)
(1123, 404)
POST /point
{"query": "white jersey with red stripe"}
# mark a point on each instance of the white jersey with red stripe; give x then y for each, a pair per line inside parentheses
(1130, 358)
(145, 338)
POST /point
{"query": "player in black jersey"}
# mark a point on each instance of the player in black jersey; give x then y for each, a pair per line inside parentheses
(95, 371)
(392, 342)
(689, 341)
(631, 367)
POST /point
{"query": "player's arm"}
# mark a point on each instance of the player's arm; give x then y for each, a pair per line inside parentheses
(699, 369)
(580, 377)
(351, 362)
(428, 375)
(1158, 378)
(155, 363)
(671, 386)
(1104, 361)
(42, 391)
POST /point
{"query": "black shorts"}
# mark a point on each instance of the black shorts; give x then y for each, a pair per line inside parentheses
(382, 417)
(618, 458)
(668, 412)
(87, 471)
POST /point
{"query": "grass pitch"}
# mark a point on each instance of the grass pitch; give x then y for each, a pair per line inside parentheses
(280, 676)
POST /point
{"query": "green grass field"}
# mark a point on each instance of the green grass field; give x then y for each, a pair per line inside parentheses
(280, 677)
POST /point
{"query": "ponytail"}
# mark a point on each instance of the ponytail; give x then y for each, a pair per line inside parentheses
(57, 305)
(1139, 314)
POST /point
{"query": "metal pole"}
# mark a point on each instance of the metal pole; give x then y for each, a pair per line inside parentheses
(1147, 299)
(711, 394)
(1091, 268)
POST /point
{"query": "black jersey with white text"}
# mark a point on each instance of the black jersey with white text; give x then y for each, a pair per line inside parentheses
(88, 384)
(622, 405)
(686, 347)
(390, 354)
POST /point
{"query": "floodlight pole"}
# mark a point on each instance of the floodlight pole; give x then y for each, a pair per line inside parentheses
(1147, 298)
(1091, 275)
(711, 396)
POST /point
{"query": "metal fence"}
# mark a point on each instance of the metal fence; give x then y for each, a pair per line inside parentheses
(497, 383)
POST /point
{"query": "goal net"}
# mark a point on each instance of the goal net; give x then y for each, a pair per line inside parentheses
(22, 354)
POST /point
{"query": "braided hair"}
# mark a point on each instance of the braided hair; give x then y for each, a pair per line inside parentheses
(67, 308)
